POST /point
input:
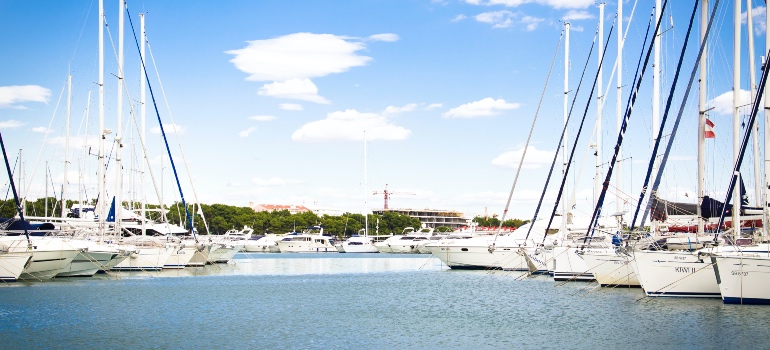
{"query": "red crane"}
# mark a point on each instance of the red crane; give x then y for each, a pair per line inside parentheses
(387, 194)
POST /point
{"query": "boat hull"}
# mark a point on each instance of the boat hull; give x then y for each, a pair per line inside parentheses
(743, 279)
(675, 274)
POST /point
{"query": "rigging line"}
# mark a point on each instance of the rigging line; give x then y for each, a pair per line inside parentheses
(176, 135)
(629, 108)
(744, 143)
(8, 189)
(558, 144)
(529, 137)
(162, 130)
(40, 152)
(670, 99)
(15, 195)
(565, 177)
(664, 160)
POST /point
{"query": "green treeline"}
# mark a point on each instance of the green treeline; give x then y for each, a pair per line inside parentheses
(221, 217)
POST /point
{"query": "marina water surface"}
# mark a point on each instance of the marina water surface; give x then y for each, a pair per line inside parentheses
(381, 301)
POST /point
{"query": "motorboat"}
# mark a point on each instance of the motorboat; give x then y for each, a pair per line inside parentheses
(311, 240)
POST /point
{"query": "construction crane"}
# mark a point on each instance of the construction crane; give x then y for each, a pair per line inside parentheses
(387, 194)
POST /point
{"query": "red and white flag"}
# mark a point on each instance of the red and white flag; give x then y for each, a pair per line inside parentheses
(709, 132)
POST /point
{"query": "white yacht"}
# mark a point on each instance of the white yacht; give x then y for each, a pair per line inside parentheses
(150, 254)
(357, 244)
(49, 255)
(310, 241)
(675, 274)
(743, 276)
(264, 244)
(12, 264)
(93, 257)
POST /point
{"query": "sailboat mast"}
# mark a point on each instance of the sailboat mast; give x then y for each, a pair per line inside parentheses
(702, 116)
(119, 128)
(143, 111)
(66, 148)
(599, 105)
(101, 178)
(766, 201)
(366, 204)
(753, 89)
(656, 87)
(736, 104)
(564, 204)
(618, 107)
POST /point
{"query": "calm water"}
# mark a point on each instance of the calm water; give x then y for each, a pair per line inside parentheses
(358, 301)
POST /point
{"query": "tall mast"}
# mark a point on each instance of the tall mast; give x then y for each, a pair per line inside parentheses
(736, 115)
(143, 111)
(66, 149)
(618, 107)
(598, 155)
(564, 204)
(101, 200)
(366, 205)
(702, 116)
(766, 201)
(81, 189)
(119, 128)
(753, 89)
(656, 86)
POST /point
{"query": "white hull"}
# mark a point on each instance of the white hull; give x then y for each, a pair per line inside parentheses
(87, 264)
(367, 248)
(743, 279)
(537, 260)
(675, 274)
(465, 257)
(201, 256)
(12, 265)
(569, 266)
(49, 255)
(145, 259)
(179, 257)
(309, 246)
(261, 248)
(382, 247)
(226, 254)
(611, 269)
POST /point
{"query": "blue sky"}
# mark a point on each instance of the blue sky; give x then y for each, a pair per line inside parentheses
(271, 98)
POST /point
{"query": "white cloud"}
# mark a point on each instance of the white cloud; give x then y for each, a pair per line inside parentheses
(274, 181)
(433, 106)
(388, 37)
(557, 4)
(291, 106)
(535, 159)
(349, 125)
(531, 22)
(458, 18)
(299, 89)
(10, 96)
(758, 19)
(482, 108)
(498, 19)
(42, 130)
(247, 132)
(298, 56)
(262, 118)
(169, 129)
(10, 124)
(723, 104)
(396, 110)
(575, 15)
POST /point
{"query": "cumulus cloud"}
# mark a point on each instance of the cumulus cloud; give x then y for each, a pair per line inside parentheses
(458, 18)
(557, 4)
(262, 118)
(291, 106)
(758, 19)
(169, 129)
(482, 108)
(10, 124)
(575, 15)
(290, 61)
(349, 125)
(723, 104)
(247, 132)
(396, 110)
(11, 96)
(498, 19)
(535, 158)
(530, 22)
(299, 89)
(433, 106)
(274, 181)
(41, 129)
(388, 37)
